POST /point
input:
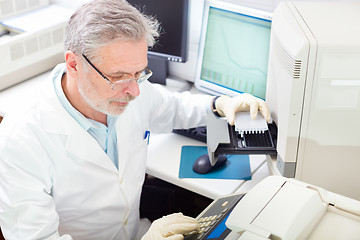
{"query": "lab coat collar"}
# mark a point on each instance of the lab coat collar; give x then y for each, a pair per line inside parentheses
(57, 74)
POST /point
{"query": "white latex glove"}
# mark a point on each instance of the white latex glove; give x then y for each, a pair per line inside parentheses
(171, 227)
(227, 107)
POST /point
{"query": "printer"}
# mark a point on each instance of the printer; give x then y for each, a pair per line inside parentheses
(287, 209)
(280, 208)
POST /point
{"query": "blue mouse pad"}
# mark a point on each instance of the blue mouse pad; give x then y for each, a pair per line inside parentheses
(236, 167)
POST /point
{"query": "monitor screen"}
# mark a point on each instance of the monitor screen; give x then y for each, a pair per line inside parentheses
(234, 50)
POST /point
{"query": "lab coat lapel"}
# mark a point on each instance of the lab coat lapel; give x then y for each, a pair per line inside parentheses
(84, 146)
(78, 141)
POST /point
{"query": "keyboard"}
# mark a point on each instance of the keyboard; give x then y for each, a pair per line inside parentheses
(198, 133)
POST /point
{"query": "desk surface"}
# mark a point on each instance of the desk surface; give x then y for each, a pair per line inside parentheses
(164, 162)
(164, 149)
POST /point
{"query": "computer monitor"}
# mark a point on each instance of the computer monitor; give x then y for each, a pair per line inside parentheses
(234, 50)
(172, 45)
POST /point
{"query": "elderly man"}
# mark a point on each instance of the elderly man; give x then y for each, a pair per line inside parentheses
(73, 164)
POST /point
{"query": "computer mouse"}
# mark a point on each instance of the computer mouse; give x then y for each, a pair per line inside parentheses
(202, 165)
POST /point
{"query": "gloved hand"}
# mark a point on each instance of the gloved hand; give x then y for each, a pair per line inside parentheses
(226, 106)
(171, 227)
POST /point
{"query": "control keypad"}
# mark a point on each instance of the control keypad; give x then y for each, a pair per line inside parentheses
(210, 218)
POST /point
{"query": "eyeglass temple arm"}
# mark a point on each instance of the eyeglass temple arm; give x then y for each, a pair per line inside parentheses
(92, 65)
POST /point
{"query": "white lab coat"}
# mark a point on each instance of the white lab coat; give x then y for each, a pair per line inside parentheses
(57, 181)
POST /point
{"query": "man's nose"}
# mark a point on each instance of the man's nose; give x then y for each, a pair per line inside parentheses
(132, 88)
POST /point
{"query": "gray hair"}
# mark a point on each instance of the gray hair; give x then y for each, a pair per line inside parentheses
(99, 22)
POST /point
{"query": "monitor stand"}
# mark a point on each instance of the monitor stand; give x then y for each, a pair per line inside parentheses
(159, 66)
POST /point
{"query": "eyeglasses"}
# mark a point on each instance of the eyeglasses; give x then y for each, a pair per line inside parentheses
(145, 75)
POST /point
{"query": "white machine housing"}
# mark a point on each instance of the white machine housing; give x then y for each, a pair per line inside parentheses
(313, 92)
(26, 54)
(286, 209)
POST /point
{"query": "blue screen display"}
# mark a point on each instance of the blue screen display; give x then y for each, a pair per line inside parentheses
(219, 229)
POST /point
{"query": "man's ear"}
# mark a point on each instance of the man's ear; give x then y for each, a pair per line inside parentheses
(71, 60)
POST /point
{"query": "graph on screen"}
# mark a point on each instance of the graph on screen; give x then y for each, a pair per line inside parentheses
(236, 51)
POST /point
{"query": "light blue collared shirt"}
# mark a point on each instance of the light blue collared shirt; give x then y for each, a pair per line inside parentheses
(104, 135)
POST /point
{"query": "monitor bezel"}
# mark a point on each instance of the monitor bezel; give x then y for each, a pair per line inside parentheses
(210, 87)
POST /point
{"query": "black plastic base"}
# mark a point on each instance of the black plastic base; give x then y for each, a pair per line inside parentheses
(159, 66)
